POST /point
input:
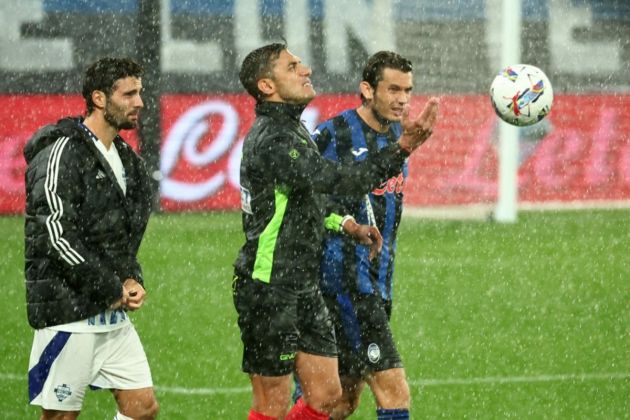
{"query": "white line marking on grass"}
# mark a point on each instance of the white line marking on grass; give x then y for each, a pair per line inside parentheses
(201, 391)
(577, 377)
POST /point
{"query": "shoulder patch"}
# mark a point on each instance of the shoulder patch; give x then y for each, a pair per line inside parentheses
(294, 154)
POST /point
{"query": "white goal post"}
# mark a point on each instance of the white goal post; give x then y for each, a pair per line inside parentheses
(507, 200)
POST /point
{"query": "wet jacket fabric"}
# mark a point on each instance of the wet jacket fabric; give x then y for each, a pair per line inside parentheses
(82, 233)
(346, 267)
(284, 182)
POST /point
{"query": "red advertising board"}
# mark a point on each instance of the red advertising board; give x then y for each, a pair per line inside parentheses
(581, 152)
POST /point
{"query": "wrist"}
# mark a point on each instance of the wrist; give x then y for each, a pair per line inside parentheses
(348, 225)
(405, 145)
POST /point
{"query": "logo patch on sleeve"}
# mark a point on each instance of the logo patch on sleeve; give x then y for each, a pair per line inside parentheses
(294, 154)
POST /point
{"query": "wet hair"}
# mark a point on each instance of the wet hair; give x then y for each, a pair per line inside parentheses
(257, 65)
(373, 70)
(104, 73)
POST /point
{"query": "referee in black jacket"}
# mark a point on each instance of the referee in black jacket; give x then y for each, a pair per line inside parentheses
(284, 323)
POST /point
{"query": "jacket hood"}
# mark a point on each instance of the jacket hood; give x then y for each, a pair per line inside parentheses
(47, 134)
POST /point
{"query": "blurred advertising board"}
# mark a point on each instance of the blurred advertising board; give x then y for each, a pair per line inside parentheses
(581, 152)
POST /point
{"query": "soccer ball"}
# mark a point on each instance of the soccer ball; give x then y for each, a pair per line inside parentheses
(521, 95)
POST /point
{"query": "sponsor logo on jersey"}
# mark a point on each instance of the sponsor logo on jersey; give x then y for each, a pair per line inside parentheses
(395, 184)
(287, 356)
(360, 151)
(110, 317)
(374, 353)
(62, 392)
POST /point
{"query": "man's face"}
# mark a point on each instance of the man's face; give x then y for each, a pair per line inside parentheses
(122, 107)
(392, 94)
(292, 80)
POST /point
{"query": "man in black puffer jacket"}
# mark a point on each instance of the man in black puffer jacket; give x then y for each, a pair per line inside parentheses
(88, 201)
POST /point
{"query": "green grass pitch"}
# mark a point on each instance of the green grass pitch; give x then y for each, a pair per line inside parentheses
(525, 320)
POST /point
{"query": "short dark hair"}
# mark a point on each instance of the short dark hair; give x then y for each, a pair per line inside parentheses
(103, 74)
(257, 65)
(373, 70)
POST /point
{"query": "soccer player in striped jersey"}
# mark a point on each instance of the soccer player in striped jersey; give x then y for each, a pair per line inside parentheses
(358, 292)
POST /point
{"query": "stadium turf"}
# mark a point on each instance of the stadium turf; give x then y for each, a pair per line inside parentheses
(526, 320)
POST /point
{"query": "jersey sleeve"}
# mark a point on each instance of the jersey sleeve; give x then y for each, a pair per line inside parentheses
(325, 137)
(295, 162)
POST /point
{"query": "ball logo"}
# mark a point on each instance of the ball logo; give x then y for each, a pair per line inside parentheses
(374, 352)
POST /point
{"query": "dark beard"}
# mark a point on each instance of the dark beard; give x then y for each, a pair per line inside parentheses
(109, 116)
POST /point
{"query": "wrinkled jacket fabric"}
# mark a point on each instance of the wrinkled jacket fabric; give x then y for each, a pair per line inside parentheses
(82, 233)
(284, 182)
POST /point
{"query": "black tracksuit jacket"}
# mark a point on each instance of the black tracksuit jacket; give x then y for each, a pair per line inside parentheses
(284, 180)
(82, 233)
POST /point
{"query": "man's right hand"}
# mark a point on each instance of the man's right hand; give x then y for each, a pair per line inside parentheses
(122, 302)
(416, 132)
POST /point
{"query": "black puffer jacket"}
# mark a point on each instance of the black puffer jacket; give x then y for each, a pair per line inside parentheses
(82, 233)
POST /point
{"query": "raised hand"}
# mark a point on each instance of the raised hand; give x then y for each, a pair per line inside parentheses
(417, 131)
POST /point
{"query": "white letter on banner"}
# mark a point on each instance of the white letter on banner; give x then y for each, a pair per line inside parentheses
(234, 164)
(30, 54)
(297, 24)
(246, 27)
(570, 56)
(371, 22)
(185, 56)
(184, 139)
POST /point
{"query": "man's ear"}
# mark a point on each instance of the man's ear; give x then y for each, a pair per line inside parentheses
(366, 90)
(267, 86)
(99, 99)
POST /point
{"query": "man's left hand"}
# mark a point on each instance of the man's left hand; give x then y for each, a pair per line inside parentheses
(136, 294)
(366, 235)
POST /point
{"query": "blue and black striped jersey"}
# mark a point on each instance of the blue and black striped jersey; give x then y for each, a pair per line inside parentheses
(347, 139)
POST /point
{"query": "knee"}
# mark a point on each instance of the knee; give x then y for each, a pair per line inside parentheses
(346, 405)
(146, 409)
(397, 397)
(271, 398)
(405, 396)
(332, 392)
(151, 410)
(391, 390)
(324, 398)
(59, 415)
